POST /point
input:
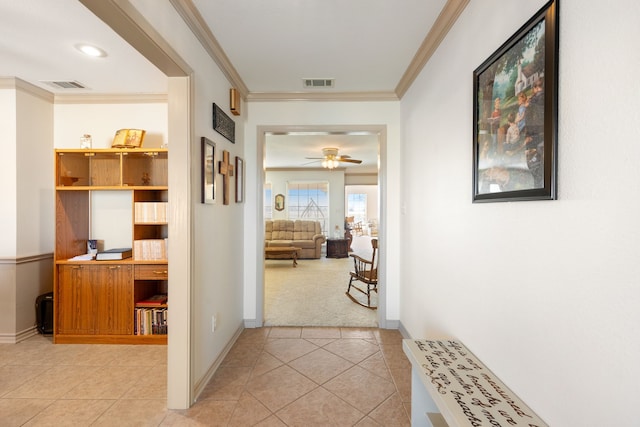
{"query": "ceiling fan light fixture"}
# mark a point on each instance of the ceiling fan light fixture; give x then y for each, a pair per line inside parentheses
(330, 163)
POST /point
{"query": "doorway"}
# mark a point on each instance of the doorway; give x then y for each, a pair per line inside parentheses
(380, 134)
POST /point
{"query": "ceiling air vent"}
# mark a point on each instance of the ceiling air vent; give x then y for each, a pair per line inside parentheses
(66, 85)
(313, 83)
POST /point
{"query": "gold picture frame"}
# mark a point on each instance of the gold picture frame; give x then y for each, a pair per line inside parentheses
(279, 202)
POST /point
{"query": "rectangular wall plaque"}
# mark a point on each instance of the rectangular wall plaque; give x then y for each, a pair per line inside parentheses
(223, 124)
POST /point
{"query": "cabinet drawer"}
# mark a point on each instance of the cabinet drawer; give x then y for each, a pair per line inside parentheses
(151, 272)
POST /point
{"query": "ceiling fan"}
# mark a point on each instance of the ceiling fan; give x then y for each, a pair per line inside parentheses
(331, 159)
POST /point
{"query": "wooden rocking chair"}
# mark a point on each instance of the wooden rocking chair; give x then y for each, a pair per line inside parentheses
(365, 271)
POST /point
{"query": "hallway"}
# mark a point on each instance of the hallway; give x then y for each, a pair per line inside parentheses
(287, 376)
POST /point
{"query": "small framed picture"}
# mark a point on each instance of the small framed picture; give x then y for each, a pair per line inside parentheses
(208, 171)
(279, 204)
(239, 180)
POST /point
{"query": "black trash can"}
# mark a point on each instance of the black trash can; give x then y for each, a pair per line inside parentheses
(44, 313)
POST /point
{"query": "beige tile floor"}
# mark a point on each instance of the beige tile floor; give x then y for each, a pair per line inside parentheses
(271, 377)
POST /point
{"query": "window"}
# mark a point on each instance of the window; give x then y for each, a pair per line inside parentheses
(268, 201)
(309, 200)
(357, 207)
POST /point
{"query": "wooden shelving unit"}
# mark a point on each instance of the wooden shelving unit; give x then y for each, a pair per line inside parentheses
(95, 301)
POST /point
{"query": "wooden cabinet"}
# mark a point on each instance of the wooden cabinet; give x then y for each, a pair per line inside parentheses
(337, 248)
(95, 300)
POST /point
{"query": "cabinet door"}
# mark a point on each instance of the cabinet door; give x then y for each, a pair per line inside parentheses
(75, 300)
(113, 289)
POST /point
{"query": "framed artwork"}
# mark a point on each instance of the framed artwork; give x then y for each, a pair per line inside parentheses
(239, 180)
(208, 171)
(224, 124)
(279, 204)
(515, 115)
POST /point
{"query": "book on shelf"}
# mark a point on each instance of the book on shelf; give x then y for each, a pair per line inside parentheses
(114, 254)
(155, 300)
(150, 321)
(150, 249)
(150, 212)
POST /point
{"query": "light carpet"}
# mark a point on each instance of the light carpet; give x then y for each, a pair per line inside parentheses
(313, 294)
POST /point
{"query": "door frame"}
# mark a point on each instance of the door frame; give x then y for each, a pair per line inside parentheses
(381, 132)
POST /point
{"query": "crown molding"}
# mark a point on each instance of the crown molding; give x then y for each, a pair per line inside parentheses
(23, 86)
(125, 98)
(82, 98)
(194, 20)
(448, 16)
(321, 96)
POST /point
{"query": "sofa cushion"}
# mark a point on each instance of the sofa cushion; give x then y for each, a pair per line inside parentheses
(279, 230)
(305, 230)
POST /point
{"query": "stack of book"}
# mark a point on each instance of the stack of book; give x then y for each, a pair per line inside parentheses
(150, 212)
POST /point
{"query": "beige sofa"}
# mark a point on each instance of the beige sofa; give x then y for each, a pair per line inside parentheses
(304, 234)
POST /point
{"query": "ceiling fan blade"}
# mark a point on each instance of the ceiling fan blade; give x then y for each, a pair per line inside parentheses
(308, 163)
(342, 159)
(314, 158)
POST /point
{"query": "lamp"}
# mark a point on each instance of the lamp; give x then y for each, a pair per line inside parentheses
(330, 160)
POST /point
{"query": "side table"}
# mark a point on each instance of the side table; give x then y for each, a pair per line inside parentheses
(337, 248)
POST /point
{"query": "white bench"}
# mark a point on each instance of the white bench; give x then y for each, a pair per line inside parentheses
(450, 387)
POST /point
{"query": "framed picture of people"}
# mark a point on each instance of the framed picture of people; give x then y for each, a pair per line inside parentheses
(515, 115)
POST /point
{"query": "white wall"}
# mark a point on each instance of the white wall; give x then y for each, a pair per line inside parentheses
(102, 120)
(8, 170)
(280, 180)
(546, 293)
(34, 184)
(385, 114)
(217, 229)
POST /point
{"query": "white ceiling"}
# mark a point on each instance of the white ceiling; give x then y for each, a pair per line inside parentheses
(365, 45)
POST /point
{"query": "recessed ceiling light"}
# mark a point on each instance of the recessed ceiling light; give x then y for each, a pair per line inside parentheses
(90, 50)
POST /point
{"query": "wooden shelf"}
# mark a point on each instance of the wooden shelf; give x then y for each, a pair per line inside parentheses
(95, 301)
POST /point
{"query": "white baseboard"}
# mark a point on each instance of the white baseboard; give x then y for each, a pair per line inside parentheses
(20, 336)
(252, 323)
(202, 383)
(403, 331)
